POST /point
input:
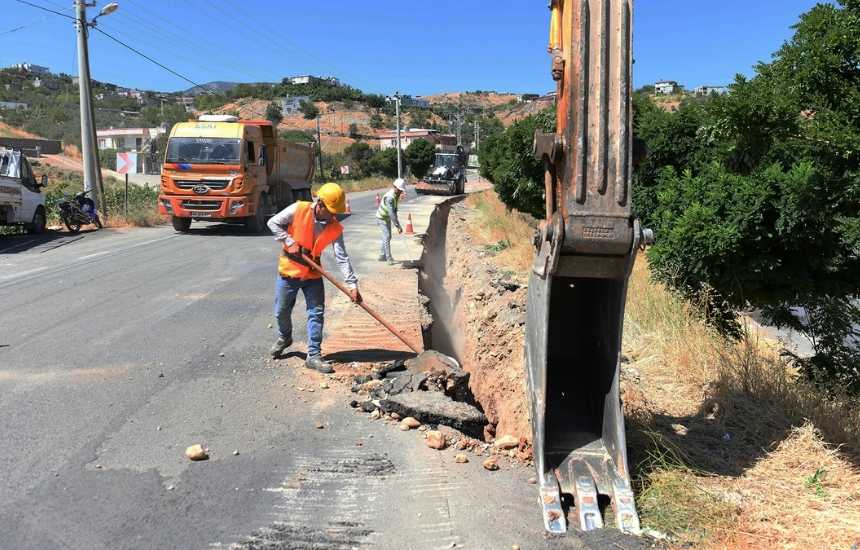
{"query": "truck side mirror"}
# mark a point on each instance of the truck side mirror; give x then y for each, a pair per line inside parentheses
(44, 181)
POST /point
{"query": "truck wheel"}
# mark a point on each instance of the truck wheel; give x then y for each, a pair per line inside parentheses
(37, 227)
(182, 225)
(256, 224)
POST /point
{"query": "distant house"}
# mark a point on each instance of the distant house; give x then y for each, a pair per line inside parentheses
(127, 139)
(293, 104)
(187, 102)
(131, 94)
(710, 90)
(419, 102)
(31, 68)
(388, 139)
(14, 105)
(306, 79)
(666, 87)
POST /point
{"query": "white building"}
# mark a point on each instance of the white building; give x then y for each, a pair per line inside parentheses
(31, 68)
(666, 87)
(14, 105)
(388, 139)
(301, 79)
(127, 139)
(708, 90)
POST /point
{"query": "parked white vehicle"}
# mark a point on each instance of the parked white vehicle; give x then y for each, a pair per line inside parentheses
(21, 199)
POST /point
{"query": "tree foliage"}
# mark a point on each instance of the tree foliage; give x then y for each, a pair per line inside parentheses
(274, 114)
(309, 110)
(756, 195)
(385, 162)
(508, 162)
(419, 156)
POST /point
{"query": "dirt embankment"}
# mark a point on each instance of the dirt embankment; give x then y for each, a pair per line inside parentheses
(478, 306)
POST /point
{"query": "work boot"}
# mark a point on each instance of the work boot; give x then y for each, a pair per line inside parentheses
(392, 261)
(317, 363)
(381, 258)
(279, 347)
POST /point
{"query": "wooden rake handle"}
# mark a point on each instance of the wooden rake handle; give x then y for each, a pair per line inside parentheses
(373, 313)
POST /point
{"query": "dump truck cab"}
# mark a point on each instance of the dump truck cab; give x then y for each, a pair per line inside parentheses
(221, 168)
(21, 199)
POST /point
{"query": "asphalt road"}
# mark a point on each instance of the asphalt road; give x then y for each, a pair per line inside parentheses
(119, 348)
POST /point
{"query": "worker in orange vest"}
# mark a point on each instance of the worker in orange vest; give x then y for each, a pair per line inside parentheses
(308, 228)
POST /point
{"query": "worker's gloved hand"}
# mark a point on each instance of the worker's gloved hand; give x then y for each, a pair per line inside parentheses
(355, 295)
(399, 230)
(294, 249)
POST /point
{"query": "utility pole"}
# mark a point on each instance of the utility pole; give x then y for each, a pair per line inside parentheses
(89, 145)
(319, 143)
(397, 111)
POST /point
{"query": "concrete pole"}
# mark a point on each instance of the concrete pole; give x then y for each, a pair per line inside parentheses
(397, 110)
(89, 153)
(319, 142)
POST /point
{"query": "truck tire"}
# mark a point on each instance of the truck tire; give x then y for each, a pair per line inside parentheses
(181, 225)
(256, 224)
(37, 227)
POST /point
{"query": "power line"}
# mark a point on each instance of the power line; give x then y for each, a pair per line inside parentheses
(118, 41)
(151, 60)
(43, 8)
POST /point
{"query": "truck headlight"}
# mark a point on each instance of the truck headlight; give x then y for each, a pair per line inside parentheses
(166, 204)
(236, 206)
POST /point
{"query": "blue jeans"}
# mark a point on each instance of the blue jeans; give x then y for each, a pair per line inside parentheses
(385, 249)
(286, 291)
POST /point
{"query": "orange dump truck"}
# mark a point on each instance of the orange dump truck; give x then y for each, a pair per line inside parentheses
(220, 168)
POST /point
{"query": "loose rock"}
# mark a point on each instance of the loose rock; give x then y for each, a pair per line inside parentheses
(196, 452)
(435, 440)
(491, 464)
(375, 414)
(323, 386)
(461, 458)
(506, 442)
(409, 423)
(236, 452)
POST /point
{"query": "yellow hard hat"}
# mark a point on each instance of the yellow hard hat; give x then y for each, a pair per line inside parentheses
(333, 198)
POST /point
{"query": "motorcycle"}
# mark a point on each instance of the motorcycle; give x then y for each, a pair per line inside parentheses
(78, 212)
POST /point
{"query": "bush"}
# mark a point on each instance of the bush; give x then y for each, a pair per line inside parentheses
(756, 195)
(419, 156)
(385, 162)
(508, 162)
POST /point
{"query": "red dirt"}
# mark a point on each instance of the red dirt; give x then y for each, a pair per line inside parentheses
(489, 319)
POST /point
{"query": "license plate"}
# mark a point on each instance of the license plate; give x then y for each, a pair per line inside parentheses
(202, 214)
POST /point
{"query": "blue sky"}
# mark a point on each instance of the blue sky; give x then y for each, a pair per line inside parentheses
(383, 45)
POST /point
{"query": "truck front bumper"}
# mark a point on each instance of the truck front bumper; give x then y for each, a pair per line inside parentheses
(204, 207)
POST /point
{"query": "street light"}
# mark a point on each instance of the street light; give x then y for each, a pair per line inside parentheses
(90, 153)
(396, 100)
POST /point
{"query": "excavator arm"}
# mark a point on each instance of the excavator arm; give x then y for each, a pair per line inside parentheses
(578, 285)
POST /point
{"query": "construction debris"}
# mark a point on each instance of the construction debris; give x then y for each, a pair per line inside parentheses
(196, 452)
(436, 408)
(506, 442)
(436, 440)
(461, 458)
(409, 423)
(491, 464)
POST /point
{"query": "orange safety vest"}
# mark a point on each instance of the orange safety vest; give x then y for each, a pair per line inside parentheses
(301, 229)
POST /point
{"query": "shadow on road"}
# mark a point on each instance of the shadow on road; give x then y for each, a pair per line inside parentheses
(49, 240)
(222, 230)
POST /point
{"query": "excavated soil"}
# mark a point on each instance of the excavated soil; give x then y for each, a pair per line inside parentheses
(478, 311)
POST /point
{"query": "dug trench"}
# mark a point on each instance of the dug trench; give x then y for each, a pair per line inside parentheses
(470, 384)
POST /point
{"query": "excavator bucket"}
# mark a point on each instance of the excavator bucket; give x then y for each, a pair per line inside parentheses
(578, 285)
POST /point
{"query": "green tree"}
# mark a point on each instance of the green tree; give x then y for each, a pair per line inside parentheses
(419, 119)
(353, 130)
(419, 156)
(760, 198)
(376, 121)
(358, 156)
(274, 114)
(384, 162)
(508, 162)
(309, 110)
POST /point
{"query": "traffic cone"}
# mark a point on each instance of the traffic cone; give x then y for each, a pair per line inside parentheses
(409, 229)
(378, 200)
(348, 209)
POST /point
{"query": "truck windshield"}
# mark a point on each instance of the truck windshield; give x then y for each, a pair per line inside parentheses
(448, 161)
(10, 163)
(204, 150)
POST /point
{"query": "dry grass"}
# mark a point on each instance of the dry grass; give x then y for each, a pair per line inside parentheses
(363, 184)
(505, 233)
(759, 458)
